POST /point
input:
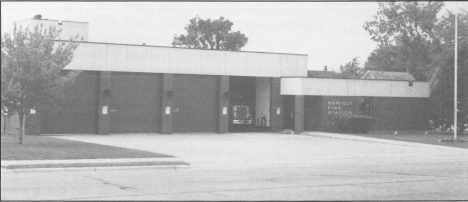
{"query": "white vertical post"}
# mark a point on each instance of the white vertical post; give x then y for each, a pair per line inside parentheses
(456, 80)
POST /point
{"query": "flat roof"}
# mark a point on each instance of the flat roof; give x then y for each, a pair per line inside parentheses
(54, 20)
(354, 87)
(388, 75)
(414, 81)
(108, 43)
(176, 60)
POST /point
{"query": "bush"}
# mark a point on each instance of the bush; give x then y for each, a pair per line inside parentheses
(354, 124)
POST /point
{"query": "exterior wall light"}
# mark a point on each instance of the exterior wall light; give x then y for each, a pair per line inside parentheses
(107, 92)
(170, 93)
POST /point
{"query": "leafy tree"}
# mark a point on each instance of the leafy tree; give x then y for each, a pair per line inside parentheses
(351, 70)
(412, 37)
(442, 70)
(388, 58)
(207, 34)
(31, 70)
(410, 26)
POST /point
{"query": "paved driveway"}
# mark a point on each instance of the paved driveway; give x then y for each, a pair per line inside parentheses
(265, 149)
(237, 150)
(260, 167)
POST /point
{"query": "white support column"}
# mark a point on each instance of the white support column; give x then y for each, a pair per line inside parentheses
(455, 92)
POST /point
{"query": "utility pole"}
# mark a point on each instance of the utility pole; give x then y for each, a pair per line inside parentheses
(456, 80)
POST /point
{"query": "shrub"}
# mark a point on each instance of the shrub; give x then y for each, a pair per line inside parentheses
(354, 124)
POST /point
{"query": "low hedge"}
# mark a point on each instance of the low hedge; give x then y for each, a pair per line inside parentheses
(354, 124)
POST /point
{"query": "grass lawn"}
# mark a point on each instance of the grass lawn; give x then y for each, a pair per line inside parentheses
(48, 148)
(420, 137)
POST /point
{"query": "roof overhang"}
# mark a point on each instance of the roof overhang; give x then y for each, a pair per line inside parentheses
(154, 59)
(354, 87)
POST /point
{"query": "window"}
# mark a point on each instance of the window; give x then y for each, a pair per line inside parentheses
(365, 106)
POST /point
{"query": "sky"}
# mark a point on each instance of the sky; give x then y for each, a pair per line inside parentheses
(330, 33)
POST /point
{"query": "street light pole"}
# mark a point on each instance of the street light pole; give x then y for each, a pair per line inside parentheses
(456, 79)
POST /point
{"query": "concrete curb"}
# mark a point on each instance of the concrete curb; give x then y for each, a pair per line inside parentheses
(90, 164)
(95, 169)
(381, 141)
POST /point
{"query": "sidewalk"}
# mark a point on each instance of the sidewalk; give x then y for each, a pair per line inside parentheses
(377, 140)
(90, 164)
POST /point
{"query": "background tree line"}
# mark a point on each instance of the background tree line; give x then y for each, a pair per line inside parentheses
(413, 37)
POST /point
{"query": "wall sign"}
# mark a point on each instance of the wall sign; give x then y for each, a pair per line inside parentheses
(168, 110)
(104, 109)
(338, 107)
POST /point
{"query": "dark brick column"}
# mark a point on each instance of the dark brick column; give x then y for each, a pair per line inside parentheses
(167, 94)
(298, 114)
(223, 114)
(104, 101)
(276, 106)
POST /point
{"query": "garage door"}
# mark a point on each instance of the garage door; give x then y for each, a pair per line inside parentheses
(135, 104)
(195, 103)
(77, 114)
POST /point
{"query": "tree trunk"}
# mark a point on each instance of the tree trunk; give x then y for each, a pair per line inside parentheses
(21, 128)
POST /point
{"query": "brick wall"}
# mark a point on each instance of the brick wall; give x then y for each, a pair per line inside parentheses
(336, 106)
(401, 113)
(10, 124)
(390, 113)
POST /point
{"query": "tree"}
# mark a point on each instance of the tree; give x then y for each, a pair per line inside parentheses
(388, 58)
(207, 34)
(351, 70)
(31, 70)
(412, 37)
(442, 70)
(411, 27)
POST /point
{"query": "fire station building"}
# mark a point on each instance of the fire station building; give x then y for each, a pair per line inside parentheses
(127, 88)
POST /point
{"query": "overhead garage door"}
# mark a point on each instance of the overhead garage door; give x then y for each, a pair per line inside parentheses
(195, 104)
(135, 103)
(77, 114)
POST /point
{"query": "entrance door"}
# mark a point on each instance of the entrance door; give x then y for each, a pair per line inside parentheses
(289, 112)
